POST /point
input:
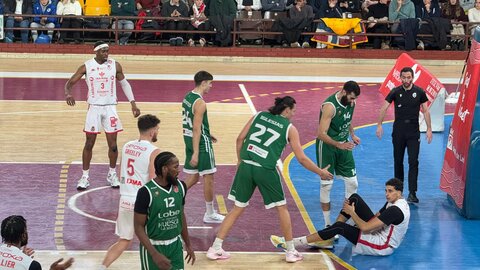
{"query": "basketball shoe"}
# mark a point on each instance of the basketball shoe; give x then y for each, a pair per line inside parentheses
(83, 183)
(220, 254)
(213, 218)
(112, 179)
(293, 256)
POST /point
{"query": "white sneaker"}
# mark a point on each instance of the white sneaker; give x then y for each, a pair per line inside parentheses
(220, 254)
(293, 256)
(112, 179)
(83, 183)
(213, 218)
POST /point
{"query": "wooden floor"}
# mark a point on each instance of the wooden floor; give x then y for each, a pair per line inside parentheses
(47, 120)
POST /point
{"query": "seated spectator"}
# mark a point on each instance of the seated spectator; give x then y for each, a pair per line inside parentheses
(474, 16)
(17, 8)
(198, 22)
(250, 9)
(378, 13)
(426, 11)
(304, 13)
(273, 6)
(44, 7)
(69, 8)
(455, 13)
(123, 8)
(332, 10)
(14, 250)
(221, 15)
(352, 6)
(400, 9)
(153, 5)
(175, 9)
(467, 4)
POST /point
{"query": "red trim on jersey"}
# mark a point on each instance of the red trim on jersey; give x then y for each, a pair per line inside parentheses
(375, 246)
(120, 130)
(90, 132)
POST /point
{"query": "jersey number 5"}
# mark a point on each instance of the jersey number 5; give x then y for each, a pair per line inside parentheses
(130, 168)
(255, 136)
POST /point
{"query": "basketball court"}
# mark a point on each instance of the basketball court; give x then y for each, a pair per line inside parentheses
(42, 141)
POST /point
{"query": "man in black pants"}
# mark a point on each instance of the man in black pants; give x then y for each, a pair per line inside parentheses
(406, 132)
(373, 234)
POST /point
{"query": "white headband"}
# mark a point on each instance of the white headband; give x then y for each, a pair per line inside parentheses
(101, 46)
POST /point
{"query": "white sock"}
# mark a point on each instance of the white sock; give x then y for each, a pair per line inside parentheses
(326, 217)
(300, 241)
(217, 244)
(112, 170)
(102, 267)
(290, 245)
(85, 172)
(209, 206)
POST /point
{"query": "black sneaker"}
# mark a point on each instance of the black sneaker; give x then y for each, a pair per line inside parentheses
(412, 198)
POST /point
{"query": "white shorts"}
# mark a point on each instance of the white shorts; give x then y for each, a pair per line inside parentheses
(372, 244)
(124, 228)
(105, 117)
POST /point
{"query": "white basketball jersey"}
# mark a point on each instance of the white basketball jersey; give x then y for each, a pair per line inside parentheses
(13, 258)
(135, 160)
(398, 231)
(101, 82)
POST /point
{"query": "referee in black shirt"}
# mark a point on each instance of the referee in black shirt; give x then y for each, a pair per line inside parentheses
(406, 131)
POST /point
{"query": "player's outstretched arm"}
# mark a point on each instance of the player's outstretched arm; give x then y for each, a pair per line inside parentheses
(294, 140)
(82, 70)
(61, 266)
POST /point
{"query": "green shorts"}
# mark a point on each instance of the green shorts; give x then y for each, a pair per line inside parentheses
(248, 177)
(173, 251)
(341, 161)
(206, 162)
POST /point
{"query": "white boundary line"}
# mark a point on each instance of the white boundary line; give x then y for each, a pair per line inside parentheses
(72, 205)
(188, 77)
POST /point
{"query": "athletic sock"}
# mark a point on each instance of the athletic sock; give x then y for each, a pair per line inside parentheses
(300, 241)
(112, 170)
(290, 245)
(102, 267)
(85, 172)
(209, 207)
(326, 217)
(217, 244)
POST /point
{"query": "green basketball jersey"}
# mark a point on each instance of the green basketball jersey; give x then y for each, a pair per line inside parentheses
(266, 139)
(187, 122)
(164, 218)
(339, 129)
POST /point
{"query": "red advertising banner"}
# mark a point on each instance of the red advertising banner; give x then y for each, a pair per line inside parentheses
(454, 171)
(422, 78)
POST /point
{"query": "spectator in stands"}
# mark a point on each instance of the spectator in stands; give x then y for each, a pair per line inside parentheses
(273, 5)
(474, 16)
(304, 14)
(400, 9)
(352, 6)
(250, 10)
(221, 14)
(17, 8)
(455, 13)
(467, 4)
(198, 22)
(152, 5)
(123, 8)
(69, 8)
(332, 10)
(425, 11)
(44, 7)
(175, 9)
(377, 17)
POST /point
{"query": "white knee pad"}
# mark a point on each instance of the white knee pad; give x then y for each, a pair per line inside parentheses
(351, 185)
(325, 187)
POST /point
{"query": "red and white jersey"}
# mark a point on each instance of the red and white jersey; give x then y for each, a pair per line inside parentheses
(396, 233)
(134, 170)
(13, 258)
(101, 82)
